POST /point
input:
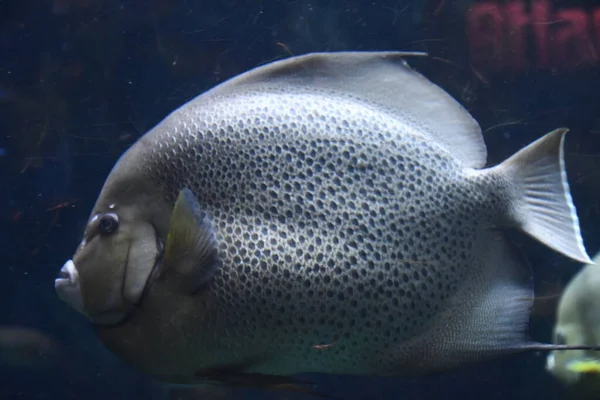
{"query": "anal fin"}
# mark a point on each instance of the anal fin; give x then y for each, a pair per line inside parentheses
(486, 318)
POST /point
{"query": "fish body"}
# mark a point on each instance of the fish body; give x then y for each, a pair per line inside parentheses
(578, 322)
(327, 213)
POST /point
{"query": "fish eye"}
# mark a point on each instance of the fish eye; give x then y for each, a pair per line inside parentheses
(108, 223)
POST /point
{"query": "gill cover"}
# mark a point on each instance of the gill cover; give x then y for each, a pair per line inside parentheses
(110, 269)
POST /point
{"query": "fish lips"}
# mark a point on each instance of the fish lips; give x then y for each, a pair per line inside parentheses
(68, 287)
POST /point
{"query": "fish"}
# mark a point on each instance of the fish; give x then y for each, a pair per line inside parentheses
(22, 347)
(330, 198)
(220, 382)
(577, 322)
(198, 393)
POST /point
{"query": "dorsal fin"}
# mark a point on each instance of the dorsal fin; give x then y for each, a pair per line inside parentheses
(382, 79)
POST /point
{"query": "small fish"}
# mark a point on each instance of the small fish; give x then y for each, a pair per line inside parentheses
(578, 322)
(326, 198)
(275, 383)
(234, 376)
(198, 392)
(25, 347)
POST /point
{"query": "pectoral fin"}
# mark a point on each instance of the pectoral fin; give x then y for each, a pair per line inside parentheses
(584, 365)
(191, 258)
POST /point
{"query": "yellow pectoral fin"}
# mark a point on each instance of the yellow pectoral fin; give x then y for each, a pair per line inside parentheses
(586, 366)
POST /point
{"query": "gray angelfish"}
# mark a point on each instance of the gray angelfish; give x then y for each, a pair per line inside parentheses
(326, 213)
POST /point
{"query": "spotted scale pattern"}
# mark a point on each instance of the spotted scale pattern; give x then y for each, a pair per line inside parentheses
(337, 223)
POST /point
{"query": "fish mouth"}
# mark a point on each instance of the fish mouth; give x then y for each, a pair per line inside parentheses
(63, 276)
(68, 288)
(550, 362)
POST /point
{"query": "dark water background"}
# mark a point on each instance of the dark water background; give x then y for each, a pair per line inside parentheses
(81, 80)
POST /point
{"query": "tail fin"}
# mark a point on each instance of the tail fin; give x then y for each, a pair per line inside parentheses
(547, 212)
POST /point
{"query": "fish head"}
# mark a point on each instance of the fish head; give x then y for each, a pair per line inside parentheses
(122, 245)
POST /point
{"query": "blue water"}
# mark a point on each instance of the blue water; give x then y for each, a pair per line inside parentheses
(81, 80)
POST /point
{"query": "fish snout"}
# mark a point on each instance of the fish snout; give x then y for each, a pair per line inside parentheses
(68, 288)
(558, 367)
(550, 362)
